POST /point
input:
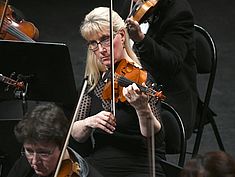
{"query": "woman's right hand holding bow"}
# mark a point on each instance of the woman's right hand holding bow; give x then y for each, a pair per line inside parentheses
(103, 120)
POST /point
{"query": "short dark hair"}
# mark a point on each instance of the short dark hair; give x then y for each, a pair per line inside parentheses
(45, 123)
(212, 164)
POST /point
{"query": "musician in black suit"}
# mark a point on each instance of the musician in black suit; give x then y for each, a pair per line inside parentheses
(168, 52)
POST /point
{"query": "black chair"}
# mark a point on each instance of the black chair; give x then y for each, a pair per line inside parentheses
(174, 132)
(206, 60)
(170, 169)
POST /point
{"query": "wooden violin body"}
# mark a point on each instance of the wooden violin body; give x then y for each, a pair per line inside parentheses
(141, 11)
(69, 168)
(125, 75)
(12, 29)
(128, 70)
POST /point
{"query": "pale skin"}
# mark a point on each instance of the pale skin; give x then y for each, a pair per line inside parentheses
(139, 101)
(105, 120)
(44, 167)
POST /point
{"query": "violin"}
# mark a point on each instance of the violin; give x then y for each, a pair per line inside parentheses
(12, 82)
(126, 74)
(12, 29)
(69, 168)
(142, 10)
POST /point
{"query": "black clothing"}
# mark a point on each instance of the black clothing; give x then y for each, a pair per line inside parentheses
(168, 53)
(125, 152)
(22, 168)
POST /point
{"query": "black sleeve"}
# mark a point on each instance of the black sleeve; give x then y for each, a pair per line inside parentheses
(168, 42)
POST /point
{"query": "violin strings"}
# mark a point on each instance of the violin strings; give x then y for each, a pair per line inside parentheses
(125, 82)
(17, 32)
(14, 31)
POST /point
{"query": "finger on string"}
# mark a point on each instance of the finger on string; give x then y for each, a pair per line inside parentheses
(135, 90)
(135, 87)
(130, 89)
(125, 92)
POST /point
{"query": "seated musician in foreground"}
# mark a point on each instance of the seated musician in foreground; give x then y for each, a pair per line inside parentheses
(210, 164)
(120, 141)
(42, 132)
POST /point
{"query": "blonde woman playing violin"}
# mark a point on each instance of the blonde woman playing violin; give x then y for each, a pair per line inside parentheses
(120, 141)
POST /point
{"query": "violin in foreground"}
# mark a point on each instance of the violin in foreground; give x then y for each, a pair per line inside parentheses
(126, 74)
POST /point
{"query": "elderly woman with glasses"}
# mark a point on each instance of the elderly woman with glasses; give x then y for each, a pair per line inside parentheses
(119, 143)
(42, 133)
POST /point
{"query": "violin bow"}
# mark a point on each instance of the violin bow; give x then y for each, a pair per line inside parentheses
(151, 147)
(131, 7)
(66, 142)
(150, 139)
(112, 58)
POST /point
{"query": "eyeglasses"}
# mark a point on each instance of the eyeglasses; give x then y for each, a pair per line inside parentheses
(104, 42)
(42, 154)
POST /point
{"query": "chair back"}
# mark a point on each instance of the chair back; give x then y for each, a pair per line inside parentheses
(174, 132)
(206, 59)
(170, 169)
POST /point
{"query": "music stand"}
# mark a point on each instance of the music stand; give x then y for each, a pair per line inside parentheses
(47, 69)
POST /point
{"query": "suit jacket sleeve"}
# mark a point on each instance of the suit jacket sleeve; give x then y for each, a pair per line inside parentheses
(169, 40)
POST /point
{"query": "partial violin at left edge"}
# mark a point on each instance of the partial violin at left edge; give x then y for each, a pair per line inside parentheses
(15, 29)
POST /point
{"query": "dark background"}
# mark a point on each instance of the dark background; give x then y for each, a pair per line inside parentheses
(59, 21)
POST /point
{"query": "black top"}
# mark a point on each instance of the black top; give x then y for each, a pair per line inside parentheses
(126, 151)
(21, 169)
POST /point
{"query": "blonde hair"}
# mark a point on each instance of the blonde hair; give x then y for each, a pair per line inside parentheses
(95, 23)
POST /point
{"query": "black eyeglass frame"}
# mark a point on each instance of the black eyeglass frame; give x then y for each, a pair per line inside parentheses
(104, 42)
(42, 155)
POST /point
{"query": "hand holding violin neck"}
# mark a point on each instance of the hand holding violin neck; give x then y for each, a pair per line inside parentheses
(124, 82)
(126, 74)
